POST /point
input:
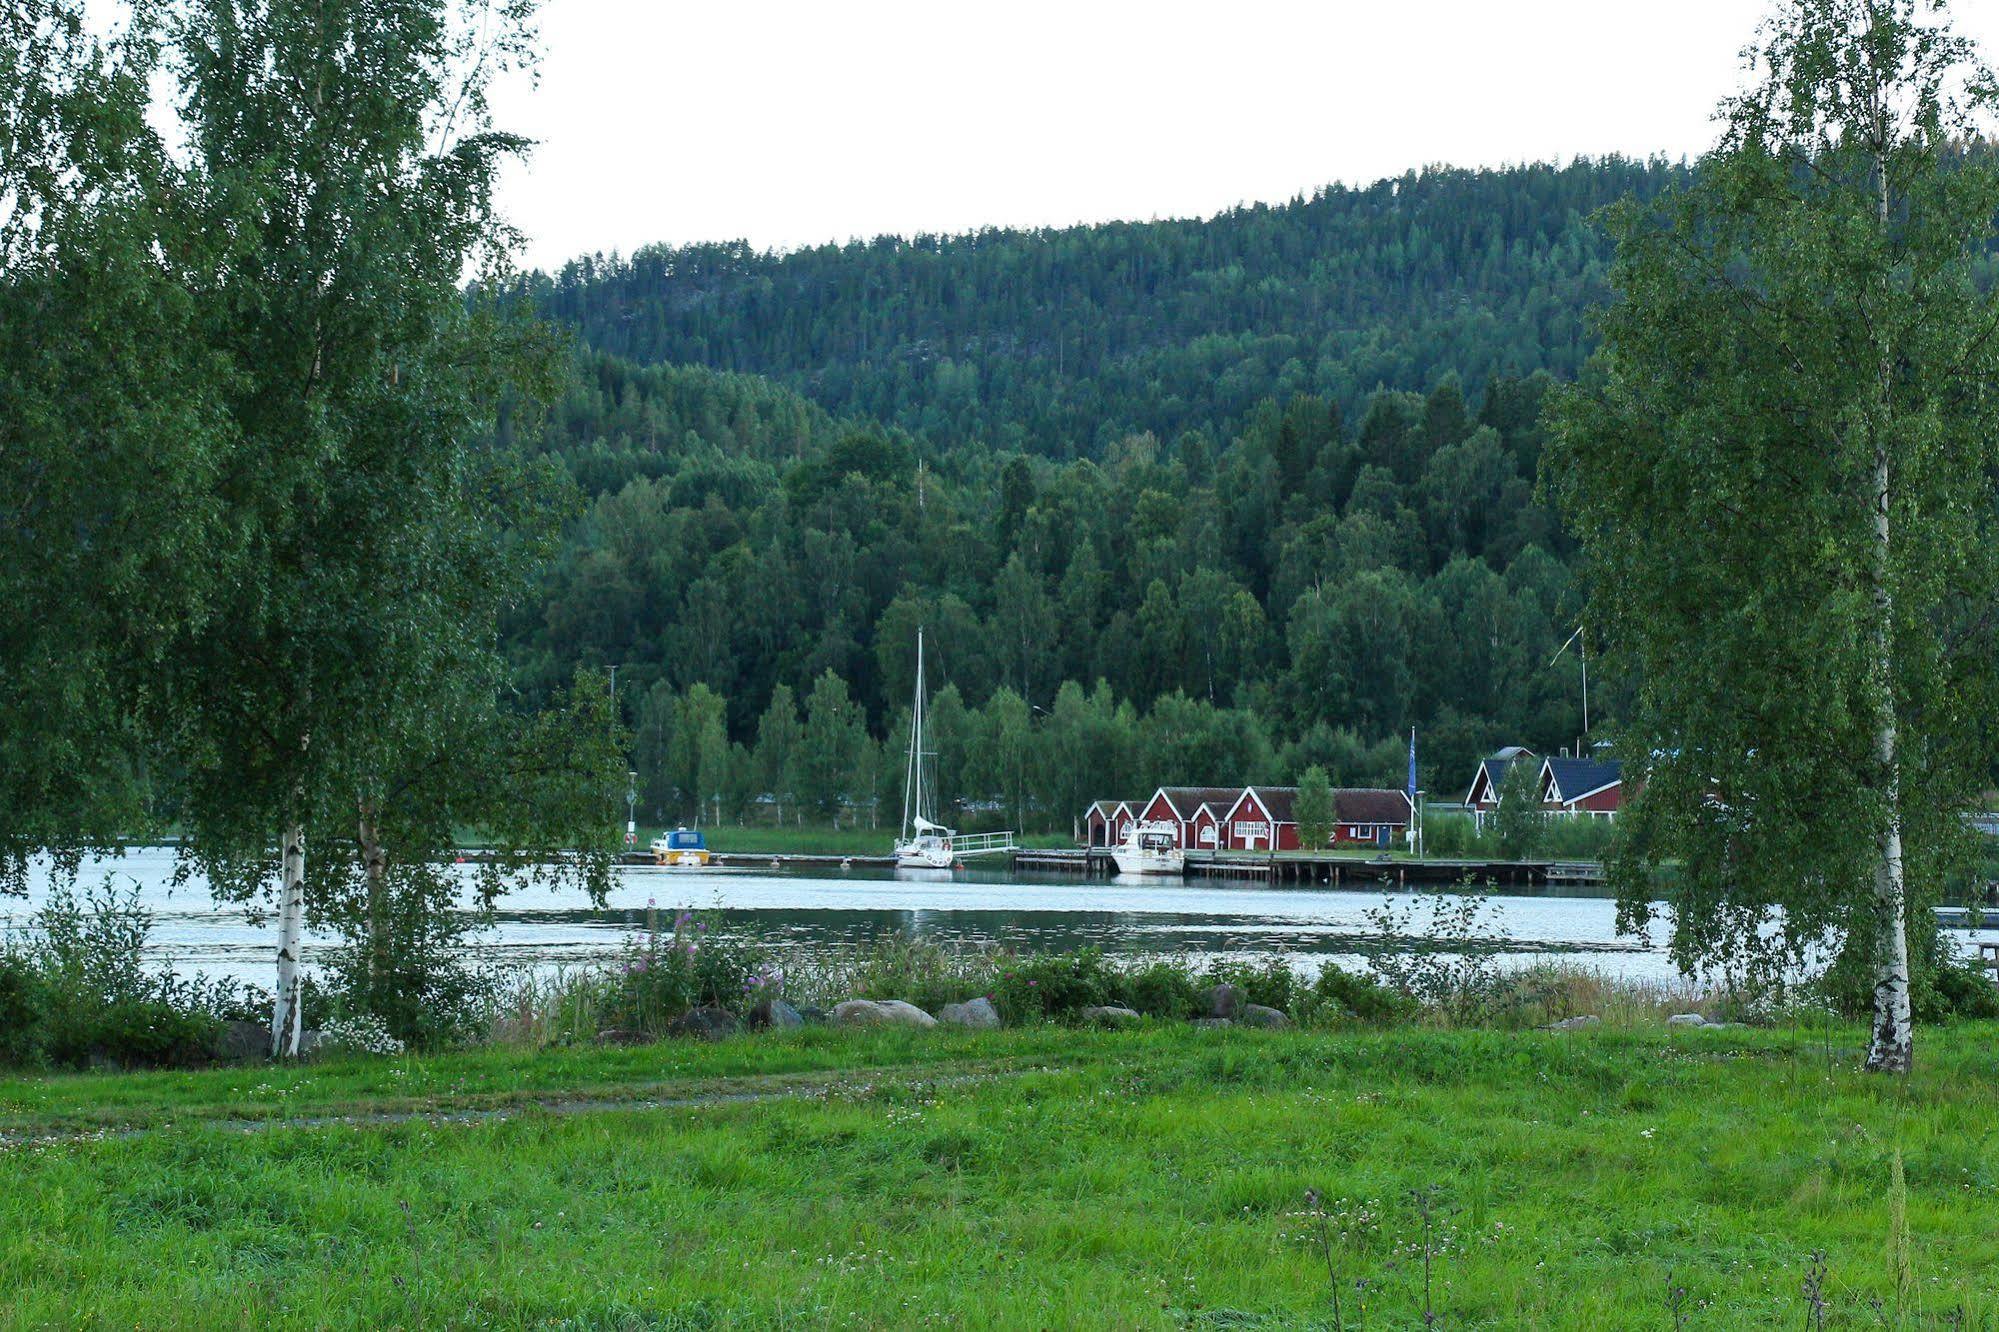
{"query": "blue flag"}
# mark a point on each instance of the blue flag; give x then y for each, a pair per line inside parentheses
(1412, 765)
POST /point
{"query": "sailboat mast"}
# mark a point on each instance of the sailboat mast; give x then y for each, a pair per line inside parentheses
(912, 781)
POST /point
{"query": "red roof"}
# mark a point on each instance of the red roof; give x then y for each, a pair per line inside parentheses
(1351, 804)
(1189, 799)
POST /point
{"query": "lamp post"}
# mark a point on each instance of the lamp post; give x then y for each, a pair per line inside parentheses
(631, 808)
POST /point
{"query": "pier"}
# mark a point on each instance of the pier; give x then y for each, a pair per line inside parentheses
(1292, 867)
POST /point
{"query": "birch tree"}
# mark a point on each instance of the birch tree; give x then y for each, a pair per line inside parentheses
(339, 189)
(1781, 468)
(111, 435)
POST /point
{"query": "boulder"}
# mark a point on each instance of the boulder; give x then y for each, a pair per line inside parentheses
(774, 1014)
(1224, 1001)
(813, 1015)
(1214, 1022)
(311, 1044)
(1109, 1015)
(707, 1023)
(1686, 1020)
(242, 1042)
(622, 1036)
(880, 1013)
(1572, 1023)
(1257, 1015)
(977, 1012)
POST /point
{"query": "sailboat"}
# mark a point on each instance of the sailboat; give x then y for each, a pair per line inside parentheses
(925, 843)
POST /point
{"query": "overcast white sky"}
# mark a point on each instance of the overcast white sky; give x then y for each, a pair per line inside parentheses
(793, 123)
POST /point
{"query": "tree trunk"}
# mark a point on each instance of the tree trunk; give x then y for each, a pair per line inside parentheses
(1892, 1049)
(286, 1016)
(375, 871)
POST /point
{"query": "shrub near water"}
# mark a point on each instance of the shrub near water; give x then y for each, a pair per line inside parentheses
(77, 989)
(665, 973)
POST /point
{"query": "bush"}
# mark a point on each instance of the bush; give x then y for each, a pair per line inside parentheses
(1271, 982)
(142, 1033)
(1363, 997)
(1942, 985)
(23, 1012)
(1055, 985)
(1162, 988)
(917, 971)
(76, 989)
(664, 974)
(404, 961)
(1965, 990)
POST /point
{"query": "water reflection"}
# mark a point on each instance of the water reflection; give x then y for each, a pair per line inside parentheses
(539, 928)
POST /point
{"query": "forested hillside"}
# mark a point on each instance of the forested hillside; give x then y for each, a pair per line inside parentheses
(1063, 341)
(1138, 480)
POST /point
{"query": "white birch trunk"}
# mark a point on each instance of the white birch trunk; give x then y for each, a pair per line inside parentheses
(375, 866)
(1892, 1047)
(286, 1016)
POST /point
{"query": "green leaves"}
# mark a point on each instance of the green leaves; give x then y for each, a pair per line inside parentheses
(1799, 328)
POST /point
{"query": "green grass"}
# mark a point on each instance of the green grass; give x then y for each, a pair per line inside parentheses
(1145, 1179)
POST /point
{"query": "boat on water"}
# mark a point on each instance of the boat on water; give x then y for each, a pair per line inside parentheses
(1150, 848)
(683, 848)
(926, 844)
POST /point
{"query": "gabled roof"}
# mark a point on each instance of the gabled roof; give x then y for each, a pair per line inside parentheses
(1370, 804)
(1185, 800)
(1351, 804)
(1268, 798)
(1494, 770)
(1110, 807)
(1570, 779)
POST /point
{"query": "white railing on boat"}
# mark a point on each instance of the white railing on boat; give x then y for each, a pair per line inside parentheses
(979, 844)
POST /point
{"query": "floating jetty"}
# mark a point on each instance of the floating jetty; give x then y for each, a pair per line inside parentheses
(776, 860)
(1287, 867)
(1334, 870)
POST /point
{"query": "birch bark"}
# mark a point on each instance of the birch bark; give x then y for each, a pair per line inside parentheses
(1892, 1047)
(286, 1017)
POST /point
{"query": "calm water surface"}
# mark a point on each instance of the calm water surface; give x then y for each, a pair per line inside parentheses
(547, 930)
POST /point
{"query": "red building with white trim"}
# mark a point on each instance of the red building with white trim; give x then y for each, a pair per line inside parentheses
(1265, 818)
(1582, 787)
(1180, 806)
(1107, 822)
(1483, 797)
(1251, 818)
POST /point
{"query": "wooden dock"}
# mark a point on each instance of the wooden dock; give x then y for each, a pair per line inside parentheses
(768, 860)
(1090, 861)
(1290, 867)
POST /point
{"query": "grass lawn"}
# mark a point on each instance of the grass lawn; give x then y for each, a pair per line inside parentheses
(1031, 1179)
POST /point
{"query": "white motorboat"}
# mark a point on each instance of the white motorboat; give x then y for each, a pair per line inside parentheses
(1150, 848)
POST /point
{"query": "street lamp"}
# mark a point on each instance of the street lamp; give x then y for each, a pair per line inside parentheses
(631, 808)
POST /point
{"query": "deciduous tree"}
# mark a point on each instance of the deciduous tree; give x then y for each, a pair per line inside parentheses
(1782, 468)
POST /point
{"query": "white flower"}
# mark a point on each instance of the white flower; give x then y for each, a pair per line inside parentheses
(365, 1034)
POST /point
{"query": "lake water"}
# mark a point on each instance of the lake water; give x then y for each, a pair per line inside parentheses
(545, 930)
